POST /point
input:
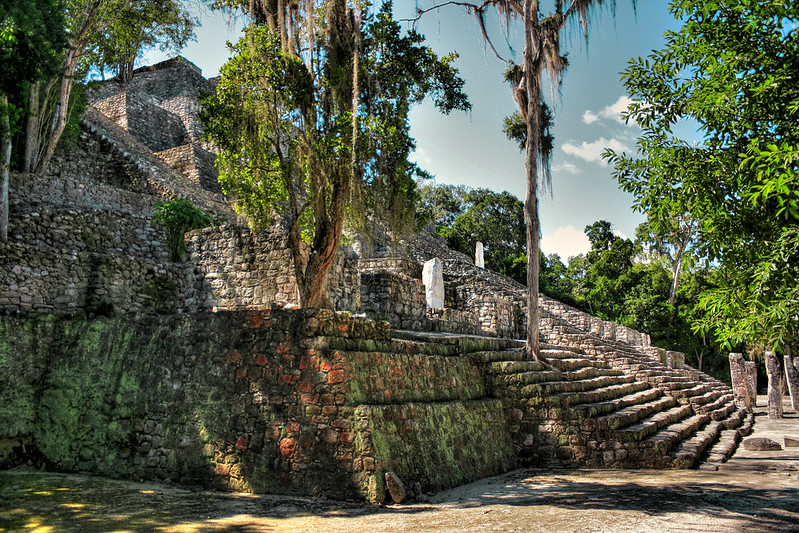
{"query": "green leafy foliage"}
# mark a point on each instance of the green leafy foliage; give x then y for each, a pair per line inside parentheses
(177, 217)
(32, 41)
(309, 138)
(618, 281)
(731, 68)
(467, 216)
(140, 25)
(624, 281)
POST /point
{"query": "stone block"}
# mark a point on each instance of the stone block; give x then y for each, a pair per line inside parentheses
(761, 444)
(740, 381)
(433, 279)
(396, 488)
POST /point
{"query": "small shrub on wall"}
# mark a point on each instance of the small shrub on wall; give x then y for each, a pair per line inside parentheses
(177, 217)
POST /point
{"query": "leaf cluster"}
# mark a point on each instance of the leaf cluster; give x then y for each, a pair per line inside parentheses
(138, 26)
(287, 135)
(177, 217)
(732, 69)
(32, 41)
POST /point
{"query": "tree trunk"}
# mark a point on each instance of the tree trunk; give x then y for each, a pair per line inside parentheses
(88, 23)
(792, 379)
(5, 164)
(312, 275)
(675, 277)
(676, 267)
(313, 291)
(774, 386)
(531, 69)
(60, 118)
(32, 129)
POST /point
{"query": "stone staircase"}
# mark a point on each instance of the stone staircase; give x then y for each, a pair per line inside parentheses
(606, 404)
(714, 422)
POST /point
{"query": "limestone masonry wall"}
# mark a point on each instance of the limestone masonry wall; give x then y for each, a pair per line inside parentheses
(264, 401)
(236, 268)
(591, 324)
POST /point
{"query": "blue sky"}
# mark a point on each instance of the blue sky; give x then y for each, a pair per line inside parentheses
(470, 148)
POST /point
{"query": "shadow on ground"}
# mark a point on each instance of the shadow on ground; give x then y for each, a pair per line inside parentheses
(682, 500)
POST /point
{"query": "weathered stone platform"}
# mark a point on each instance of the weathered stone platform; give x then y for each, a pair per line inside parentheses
(319, 403)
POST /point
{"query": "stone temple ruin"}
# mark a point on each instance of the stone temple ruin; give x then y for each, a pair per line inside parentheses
(117, 361)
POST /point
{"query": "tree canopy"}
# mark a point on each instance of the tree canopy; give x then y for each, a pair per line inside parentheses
(311, 115)
(467, 216)
(32, 41)
(139, 25)
(732, 68)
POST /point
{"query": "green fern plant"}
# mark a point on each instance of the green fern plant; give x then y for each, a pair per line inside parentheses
(177, 217)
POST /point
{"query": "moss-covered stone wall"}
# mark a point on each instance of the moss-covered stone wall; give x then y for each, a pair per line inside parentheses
(304, 402)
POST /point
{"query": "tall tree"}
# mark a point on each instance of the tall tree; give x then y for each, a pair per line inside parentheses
(542, 54)
(732, 67)
(32, 39)
(311, 114)
(139, 26)
(672, 228)
(89, 25)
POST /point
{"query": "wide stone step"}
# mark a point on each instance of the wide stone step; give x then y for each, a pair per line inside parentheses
(497, 356)
(723, 412)
(651, 425)
(631, 414)
(747, 420)
(689, 392)
(575, 363)
(740, 419)
(513, 367)
(671, 435)
(591, 372)
(658, 378)
(558, 353)
(570, 399)
(593, 410)
(557, 387)
(689, 451)
(464, 344)
(522, 379)
(724, 447)
(546, 348)
(708, 401)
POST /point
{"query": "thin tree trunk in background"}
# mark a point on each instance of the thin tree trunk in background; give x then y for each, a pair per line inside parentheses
(90, 21)
(774, 386)
(675, 276)
(60, 118)
(5, 164)
(32, 129)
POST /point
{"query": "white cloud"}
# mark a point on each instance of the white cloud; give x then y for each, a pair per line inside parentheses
(589, 117)
(615, 110)
(611, 112)
(421, 157)
(566, 242)
(570, 168)
(593, 151)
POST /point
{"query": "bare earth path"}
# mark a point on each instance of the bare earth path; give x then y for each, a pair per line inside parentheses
(753, 492)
